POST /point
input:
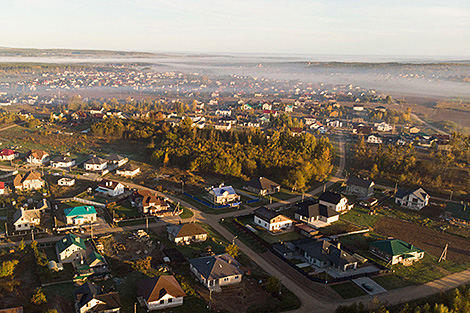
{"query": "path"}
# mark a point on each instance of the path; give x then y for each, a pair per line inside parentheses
(429, 125)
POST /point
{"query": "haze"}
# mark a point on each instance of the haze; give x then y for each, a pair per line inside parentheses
(362, 27)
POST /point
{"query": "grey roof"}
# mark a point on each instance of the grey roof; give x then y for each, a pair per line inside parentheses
(85, 293)
(311, 208)
(323, 250)
(115, 158)
(95, 160)
(330, 197)
(262, 183)
(420, 193)
(265, 214)
(61, 159)
(364, 183)
(216, 266)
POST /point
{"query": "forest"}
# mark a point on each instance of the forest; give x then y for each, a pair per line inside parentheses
(292, 161)
(402, 163)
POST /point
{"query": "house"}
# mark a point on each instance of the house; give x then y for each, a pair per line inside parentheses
(223, 195)
(271, 220)
(296, 131)
(94, 264)
(335, 201)
(8, 154)
(362, 130)
(90, 298)
(335, 124)
(80, 215)
(216, 271)
(383, 127)
(358, 107)
(289, 109)
(116, 160)
(374, 138)
(310, 210)
(29, 181)
(148, 203)
(2, 188)
(160, 293)
(94, 111)
(70, 248)
(18, 309)
(396, 251)
(128, 170)
(95, 164)
(66, 181)
(62, 162)
(323, 253)
(222, 126)
(25, 219)
(222, 112)
(363, 188)
(110, 188)
(186, 233)
(37, 157)
(263, 186)
(415, 200)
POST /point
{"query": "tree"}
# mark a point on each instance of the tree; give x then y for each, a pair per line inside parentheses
(22, 245)
(8, 267)
(38, 297)
(232, 250)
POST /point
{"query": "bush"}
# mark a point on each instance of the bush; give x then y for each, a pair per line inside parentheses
(38, 297)
(7, 268)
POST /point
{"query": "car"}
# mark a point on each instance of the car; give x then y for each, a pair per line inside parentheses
(367, 287)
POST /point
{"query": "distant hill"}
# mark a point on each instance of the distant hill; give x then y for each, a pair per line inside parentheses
(30, 52)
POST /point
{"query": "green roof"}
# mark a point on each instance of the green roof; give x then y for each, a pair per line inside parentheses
(459, 210)
(69, 240)
(80, 211)
(395, 247)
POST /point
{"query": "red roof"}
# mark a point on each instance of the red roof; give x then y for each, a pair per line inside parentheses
(2, 185)
(6, 152)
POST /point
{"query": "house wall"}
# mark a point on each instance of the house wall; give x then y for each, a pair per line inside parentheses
(261, 222)
(360, 191)
(33, 184)
(22, 226)
(70, 254)
(412, 202)
(95, 167)
(164, 303)
(230, 280)
(188, 239)
(87, 218)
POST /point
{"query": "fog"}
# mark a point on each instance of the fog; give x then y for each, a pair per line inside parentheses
(390, 75)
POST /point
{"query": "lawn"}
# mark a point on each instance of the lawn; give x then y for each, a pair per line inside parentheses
(244, 237)
(187, 213)
(207, 209)
(125, 209)
(360, 216)
(348, 290)
(286, 236)
(391, 282)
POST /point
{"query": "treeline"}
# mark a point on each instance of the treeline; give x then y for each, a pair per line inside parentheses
(9, 68)
(457, 301)
(391, 116)
(400, 163)
(293, 161)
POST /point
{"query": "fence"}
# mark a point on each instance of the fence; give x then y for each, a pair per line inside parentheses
(84, 201)
(210, 205)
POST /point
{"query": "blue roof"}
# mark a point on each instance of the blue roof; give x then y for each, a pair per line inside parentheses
(80, 211)
(220, 191)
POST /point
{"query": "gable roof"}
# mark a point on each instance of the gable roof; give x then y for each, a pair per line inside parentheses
(21, 178)
(419, 193)
(394, 246)
(216, 266)
(364, 183)
(109, 184)
(331, 197)
(219, 192)
(38, 154)
(188, 229)
(69, 240)
(6, 152)
(323, 250)
(115, 158)
(262, 183)
(153, 289)
(88, 291)
(311, 208)
(27, 214)
(95, 161)
(80, 211)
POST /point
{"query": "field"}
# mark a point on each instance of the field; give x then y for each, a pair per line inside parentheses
(432, 241)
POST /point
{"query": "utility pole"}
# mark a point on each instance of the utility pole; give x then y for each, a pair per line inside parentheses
(451, 192)
(135, 307)
(32, 234)
(233, 240)
(6, 229)
(147, 222)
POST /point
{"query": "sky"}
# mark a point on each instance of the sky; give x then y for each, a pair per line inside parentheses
(305, 27)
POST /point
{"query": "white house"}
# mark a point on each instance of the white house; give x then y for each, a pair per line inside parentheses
(159, 293)
(70, 248)
(376, 139)
(186, 233)
(334, 201)
(89, 298)
(383, 127)
(29, 181)
(62, 162)
(216, 271)
(396, 251)
(222, 112)
(80, 215)
(128, 170)
(223, 195)
(116, 160)
(25, 219)
(66, 181)
(271, 220)
(8, 154)
(110, 188)
(310, 211)
(414, 200)
(37, 157)
(95, 164)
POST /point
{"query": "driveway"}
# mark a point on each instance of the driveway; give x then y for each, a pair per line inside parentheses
(372, 287)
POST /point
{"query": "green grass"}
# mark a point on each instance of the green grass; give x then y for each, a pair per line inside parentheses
(289, 236)
(360, 217)
(132, 223)
(423, 271)
(187, 213)
(207, 209)
(348, 290)
(391, 282)
(125, 209)
(246, 239)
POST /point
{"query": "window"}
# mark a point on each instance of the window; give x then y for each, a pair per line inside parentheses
(169, 300)
(162, 301)
(236, 277)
